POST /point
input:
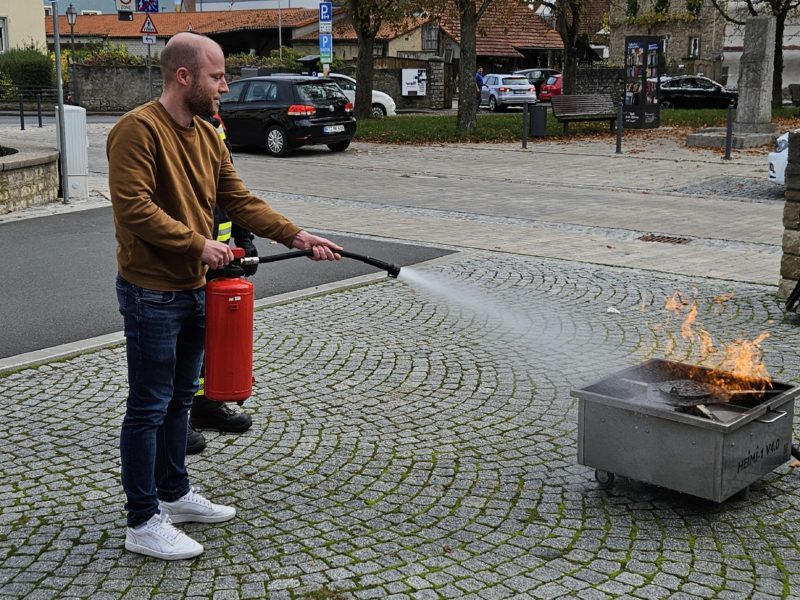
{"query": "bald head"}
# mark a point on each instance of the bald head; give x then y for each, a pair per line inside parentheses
(189, 51)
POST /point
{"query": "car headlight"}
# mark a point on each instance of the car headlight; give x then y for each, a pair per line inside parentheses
(781, 144)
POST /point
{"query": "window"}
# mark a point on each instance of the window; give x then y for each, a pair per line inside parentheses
(3, 35)
(48, 11)
(694, 47)
(430, 38)
(233, 94)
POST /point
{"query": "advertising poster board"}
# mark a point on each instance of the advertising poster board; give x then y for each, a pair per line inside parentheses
(642, 76)
(414, 82)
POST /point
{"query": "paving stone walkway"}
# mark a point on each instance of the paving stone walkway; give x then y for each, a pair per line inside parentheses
(413, 438)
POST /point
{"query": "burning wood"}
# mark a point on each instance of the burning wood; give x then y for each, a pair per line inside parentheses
(742, 359)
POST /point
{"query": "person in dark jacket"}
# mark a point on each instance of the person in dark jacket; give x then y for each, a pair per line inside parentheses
(205, 413)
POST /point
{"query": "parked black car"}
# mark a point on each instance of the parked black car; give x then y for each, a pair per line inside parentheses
(537, 76)
(692, 91)
(284, 112)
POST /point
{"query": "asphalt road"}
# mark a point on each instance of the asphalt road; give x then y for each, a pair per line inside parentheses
(58, 276)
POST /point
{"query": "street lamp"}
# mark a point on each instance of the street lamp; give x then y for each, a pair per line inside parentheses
(72, 17)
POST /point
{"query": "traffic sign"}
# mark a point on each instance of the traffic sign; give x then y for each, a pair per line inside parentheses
(148, 27)
(148, 6)
(149, 39)
(325, 12)
(325, 27)
(124, 5)
(326, 48)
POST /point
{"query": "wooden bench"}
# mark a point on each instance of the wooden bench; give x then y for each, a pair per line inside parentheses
(583, 107)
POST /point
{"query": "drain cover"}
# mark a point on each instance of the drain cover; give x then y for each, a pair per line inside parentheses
(664, 239)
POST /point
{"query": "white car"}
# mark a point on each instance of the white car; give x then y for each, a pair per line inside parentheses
(382, 104)
(778, 160)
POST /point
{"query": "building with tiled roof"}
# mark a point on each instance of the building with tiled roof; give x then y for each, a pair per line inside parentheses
(239, 31)
(508, 37)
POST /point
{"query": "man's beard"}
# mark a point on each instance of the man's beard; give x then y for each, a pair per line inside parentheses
(199, 102)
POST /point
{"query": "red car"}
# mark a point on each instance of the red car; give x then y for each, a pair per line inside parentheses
(550, 88)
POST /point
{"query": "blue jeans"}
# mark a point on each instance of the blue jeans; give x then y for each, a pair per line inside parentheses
(164, 333)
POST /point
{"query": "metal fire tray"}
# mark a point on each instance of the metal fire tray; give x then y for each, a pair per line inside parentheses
(710, 446)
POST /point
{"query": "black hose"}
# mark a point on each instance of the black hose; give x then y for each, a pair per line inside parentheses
(391, 269)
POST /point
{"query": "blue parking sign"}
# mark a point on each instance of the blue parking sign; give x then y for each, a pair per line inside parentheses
(325, 12)
(326, 48)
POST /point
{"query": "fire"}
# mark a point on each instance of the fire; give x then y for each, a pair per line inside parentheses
(742, 360)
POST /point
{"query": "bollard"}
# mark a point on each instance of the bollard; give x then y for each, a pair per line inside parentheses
(21, 112)
(619, 126)
(729, 132)
(39, 108)
(525, 125)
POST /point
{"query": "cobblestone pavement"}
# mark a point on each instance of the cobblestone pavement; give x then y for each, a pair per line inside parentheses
(407, 445)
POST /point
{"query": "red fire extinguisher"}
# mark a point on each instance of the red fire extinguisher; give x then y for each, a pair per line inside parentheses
(229, 337)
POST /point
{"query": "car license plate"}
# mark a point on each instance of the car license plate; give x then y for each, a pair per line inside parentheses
(520, 91)
(334, 129)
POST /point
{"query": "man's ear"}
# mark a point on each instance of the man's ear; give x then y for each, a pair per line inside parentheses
(182, 76)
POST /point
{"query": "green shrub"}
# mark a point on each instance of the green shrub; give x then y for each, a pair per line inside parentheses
(110, 55)
(28, 67)
(288, 63)
(693, 6)
(8, 91)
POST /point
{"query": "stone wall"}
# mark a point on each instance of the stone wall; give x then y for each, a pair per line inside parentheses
(28, 178)
(115, 89)
(119, 89)
(601, 80)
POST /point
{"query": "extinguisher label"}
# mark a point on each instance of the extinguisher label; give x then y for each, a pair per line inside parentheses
(234, 298)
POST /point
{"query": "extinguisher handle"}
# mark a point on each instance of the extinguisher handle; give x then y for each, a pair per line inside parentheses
(238, 253)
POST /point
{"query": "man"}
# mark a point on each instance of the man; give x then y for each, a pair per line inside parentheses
(478, 87)
(167, 171)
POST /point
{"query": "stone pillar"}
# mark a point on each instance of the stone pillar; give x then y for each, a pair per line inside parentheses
(435, 84)
(754, 109)
(790, 262)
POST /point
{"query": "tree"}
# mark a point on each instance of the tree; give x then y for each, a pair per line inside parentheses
(567, 15)
(781, 10)
(470, 13)
(367, 17)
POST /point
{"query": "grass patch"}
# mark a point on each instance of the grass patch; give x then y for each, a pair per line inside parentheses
(5, 151)
(507, 127)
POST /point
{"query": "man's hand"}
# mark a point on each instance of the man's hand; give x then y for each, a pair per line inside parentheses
(216, 254)
(323, 249)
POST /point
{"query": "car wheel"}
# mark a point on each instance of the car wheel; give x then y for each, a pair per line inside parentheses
(493, 104)
(666, 104)
(378, 111)
(276, 142)
(339, 146)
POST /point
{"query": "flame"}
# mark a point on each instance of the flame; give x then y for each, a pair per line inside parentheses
(742, 363)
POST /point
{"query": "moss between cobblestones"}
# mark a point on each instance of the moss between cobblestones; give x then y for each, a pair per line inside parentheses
(321, 594)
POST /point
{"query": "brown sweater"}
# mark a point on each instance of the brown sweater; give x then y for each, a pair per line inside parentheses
(165, 180)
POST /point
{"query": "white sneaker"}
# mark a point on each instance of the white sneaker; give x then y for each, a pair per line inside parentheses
(158, 537)
(194, 508)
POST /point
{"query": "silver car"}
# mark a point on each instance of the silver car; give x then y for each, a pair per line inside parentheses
(500, 91)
